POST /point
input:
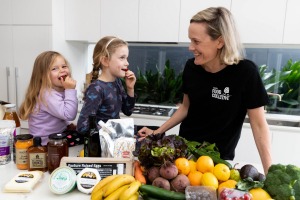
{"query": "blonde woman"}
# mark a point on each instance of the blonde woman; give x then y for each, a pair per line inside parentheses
(106, 96)
(51, 99)
(220, 87)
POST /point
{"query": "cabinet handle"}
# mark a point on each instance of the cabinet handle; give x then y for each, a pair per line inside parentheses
(16, 78)
(7, 82)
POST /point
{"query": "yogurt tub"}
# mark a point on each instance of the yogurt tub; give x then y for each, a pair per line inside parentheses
(62, 180)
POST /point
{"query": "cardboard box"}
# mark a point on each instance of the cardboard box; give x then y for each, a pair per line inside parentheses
(105, 166)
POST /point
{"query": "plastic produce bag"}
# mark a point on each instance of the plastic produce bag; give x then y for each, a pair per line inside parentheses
(117, 138)
(7, 128)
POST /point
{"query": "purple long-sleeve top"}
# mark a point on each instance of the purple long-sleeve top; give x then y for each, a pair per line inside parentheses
(55, 116)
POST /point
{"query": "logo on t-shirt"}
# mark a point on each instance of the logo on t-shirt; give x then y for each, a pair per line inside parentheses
(218, 94)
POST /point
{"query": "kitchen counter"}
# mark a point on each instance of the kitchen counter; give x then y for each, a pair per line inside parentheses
(41, 190)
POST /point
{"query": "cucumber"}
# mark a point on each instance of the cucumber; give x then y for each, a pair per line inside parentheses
(160, 193)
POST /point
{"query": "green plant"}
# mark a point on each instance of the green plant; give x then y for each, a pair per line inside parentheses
(159, 88)
(285, 82)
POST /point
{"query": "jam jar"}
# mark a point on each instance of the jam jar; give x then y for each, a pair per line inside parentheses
(24, 141)
(57, 148)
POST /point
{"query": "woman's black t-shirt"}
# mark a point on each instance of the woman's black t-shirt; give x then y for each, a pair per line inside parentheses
(219, 103)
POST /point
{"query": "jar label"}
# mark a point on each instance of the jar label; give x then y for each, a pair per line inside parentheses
(37, 160)
(21, 156)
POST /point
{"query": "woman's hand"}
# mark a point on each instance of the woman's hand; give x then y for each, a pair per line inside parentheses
(143, 132)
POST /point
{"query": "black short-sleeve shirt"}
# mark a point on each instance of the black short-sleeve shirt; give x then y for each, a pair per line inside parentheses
(219, 102)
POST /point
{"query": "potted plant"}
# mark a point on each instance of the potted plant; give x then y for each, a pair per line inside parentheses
(159, 87)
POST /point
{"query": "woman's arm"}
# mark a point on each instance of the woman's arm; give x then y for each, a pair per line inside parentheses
(261, 134)
(176, 118)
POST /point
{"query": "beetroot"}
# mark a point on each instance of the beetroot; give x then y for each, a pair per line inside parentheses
(168, 170)
(153, 173)
(161, 183)
(179, 183)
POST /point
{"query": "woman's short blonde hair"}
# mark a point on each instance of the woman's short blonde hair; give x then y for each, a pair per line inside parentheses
(220, 23)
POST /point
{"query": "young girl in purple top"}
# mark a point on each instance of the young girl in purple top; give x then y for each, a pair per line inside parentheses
(51, 98)
(106, 96)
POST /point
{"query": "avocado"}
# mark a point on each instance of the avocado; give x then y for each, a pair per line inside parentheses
(249, 171)
(261, 177)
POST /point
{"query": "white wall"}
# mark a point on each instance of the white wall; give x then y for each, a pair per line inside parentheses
(75, 52)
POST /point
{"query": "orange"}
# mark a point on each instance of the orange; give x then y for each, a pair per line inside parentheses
(205, 164)
(183, 166)
(222, 172)
(192, 165)
(227, 184)
(259, 194)
(209, 179)
(195, 178)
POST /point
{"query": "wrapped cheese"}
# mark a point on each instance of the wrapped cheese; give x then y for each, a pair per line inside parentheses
(23, 182)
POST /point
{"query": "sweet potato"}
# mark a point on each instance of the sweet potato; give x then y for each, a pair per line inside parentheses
(179, 183)
(168, 170)
(161, 183)
(153, 173)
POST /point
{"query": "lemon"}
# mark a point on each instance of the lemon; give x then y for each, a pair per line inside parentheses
(221, 171)
(209, 179)
(259, 194)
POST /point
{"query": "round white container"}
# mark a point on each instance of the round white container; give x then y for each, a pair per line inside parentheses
(87, 179)
(62, 180)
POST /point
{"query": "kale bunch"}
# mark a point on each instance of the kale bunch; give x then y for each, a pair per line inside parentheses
(156, 149)
(283, 182)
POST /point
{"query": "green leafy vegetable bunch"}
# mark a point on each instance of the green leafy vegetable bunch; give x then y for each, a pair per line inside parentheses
(156, 149)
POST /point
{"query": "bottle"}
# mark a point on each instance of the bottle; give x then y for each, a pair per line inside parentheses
(37, 156)
(94, 148)
(57, 148)
(23, 142)
(11, 114)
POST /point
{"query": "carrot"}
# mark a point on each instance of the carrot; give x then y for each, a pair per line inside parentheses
(138, 173)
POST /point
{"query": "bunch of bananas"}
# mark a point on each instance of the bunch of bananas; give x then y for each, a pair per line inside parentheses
(116, 187)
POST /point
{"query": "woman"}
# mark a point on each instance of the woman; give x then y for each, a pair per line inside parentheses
(220, 87)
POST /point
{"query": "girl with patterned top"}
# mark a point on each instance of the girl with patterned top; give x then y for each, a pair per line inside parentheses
(106, 96)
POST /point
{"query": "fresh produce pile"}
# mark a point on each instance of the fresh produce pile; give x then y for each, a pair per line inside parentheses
(170, 167)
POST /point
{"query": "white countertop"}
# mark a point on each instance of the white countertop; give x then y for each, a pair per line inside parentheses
(41, 190)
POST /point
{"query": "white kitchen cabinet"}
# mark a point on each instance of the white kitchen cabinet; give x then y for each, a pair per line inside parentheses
(6, 60)
(120, 22)
(292, 28)
(82, 20)
(20, 12)
(285, 145)
(20, 45)
(189, 8)
(246, 150)
(260, 21)
(5, 12)
(159, 20)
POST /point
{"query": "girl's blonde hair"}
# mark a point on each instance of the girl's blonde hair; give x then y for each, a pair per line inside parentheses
(220, 23)
(39, 82)
(105, 48)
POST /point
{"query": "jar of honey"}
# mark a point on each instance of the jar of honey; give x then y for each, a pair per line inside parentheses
(24, 141)
(57, 148)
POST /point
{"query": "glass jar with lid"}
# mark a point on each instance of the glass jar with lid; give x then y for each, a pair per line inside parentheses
(11, 114)
(23, 142)
(57, 148)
